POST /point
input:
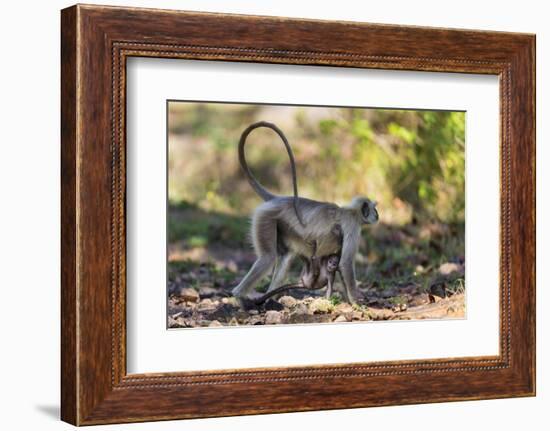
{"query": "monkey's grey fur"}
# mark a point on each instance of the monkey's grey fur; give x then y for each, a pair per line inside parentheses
(284, 227)
(278, 237)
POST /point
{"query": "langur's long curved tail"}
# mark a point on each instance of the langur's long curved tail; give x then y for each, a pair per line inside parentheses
(262, 192)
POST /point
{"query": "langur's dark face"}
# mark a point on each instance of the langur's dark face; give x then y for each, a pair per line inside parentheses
(332, 263)
(369, 212)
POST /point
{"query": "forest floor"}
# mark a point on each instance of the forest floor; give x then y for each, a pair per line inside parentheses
(189, 310)
(403, 273)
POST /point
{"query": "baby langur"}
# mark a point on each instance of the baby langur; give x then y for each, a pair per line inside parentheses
(284, 227)
(317, 273)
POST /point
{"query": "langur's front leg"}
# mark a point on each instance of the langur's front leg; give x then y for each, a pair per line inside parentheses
(281, 271)
(347, 272)
(350, 244)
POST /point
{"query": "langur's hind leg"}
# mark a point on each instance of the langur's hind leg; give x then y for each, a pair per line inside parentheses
(264, 234)
(281, 271)
(259, 270)
(347, 274)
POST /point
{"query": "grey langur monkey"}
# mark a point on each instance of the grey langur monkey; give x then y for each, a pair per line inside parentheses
(284, 227)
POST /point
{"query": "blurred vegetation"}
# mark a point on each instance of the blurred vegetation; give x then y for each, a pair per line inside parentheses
(411, 162)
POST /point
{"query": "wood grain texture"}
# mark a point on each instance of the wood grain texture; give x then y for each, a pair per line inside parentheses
(96, 41)
(69, 397)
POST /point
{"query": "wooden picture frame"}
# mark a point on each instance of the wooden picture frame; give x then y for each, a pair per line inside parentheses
(95, 43)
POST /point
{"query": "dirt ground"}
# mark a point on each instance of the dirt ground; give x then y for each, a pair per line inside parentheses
(211, 305)
(415, 271)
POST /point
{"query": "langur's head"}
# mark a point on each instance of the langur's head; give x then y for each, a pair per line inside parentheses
(332, 263)
(366, 209)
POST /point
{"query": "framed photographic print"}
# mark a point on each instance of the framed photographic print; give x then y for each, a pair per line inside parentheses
(265, 215)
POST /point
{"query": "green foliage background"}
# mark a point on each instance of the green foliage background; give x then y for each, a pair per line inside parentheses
(411, 162)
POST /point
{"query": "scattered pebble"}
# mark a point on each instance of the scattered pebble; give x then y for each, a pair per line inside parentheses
(231, 301)
(288, 301)
(321, 305)
(356, 315)
(208, 292)
(273, 317)
(189, 294)
(343, 307)
(215, 324)
(206, 305)
(300, 309)
(188, 309)
(449, 268)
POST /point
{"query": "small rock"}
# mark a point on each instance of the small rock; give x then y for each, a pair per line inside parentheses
(380, 314)
(207, 292)
(232, 266)
(343, 307)
(321, 305)
(340, 318)
(322, 318)
(273, 317)
(231, 301)
(449, 268)
(357, 315)
(419, 299)
(215, 324)
(234, 322)
(206, 305)
(191, 323)
(203, 322)
(191, 305)
(288, 301)
(189, 294)
(253, 312)
(300, 318)
(255, 320)
(300, 309)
